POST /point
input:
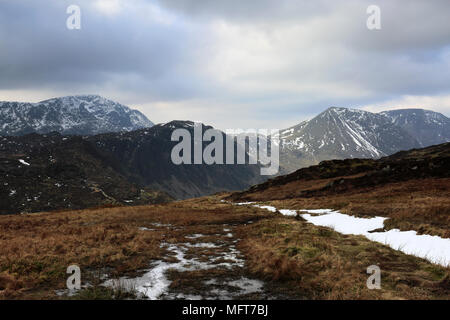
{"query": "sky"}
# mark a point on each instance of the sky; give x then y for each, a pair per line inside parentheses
(230, 63)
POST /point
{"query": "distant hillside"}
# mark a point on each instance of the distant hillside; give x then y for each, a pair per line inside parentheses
(340, 133)
(49, 172)
(427, 127)
(144, 156)
(52, 172)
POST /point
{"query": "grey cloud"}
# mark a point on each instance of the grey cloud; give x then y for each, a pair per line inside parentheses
(142, 61)
(38, 50)
(251, 11)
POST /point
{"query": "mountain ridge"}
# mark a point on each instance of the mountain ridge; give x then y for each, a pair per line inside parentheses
(426, 126)
(335, 133)
(54, 172)
(79, 114)
(339, 133)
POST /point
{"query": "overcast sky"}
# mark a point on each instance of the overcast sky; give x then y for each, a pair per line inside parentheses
(229, 63)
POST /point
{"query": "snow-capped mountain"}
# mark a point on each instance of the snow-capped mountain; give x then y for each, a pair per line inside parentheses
(428, 127)
(82, 115)
(339, 133)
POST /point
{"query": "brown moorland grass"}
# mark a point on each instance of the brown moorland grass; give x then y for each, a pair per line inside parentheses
(297, 259)
(36, 249)
(421, 204)
(317, 263)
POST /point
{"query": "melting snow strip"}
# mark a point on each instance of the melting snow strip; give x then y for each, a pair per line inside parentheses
(24, 162)
(432, 248)
(195, 236)
(157, 224)
(202, 245)
(289, 213)
(145, 229)
(346, 224)
(270, 208)
(154, 283)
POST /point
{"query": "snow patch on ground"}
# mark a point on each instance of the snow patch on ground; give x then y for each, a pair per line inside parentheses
(202, 245)
(195, 236)
(24, 162)
(270, 208)
(154, 284)
(145, 229)
(247, 286)
(344, 223)
(289, 213)
(161, 225)
(432, 248)
(318, 211)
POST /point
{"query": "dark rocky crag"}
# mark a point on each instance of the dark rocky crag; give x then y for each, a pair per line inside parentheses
(52, 172)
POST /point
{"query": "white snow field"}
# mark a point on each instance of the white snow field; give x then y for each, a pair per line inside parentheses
(432, 248)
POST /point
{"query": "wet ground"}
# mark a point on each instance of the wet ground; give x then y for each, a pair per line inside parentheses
(203, 266)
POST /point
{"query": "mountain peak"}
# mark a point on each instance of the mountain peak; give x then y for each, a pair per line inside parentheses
(333, 111)
(80, 114)
(339, 133)
(345, 109)
(81, 98)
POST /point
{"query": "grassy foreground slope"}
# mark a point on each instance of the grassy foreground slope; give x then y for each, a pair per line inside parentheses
(296, 260)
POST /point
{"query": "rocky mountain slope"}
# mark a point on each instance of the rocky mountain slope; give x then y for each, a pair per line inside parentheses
(49, 172)
(145, 157)
(340, 133)
(427, 127)
(141, 158)
(81, 115)
(53, 172)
